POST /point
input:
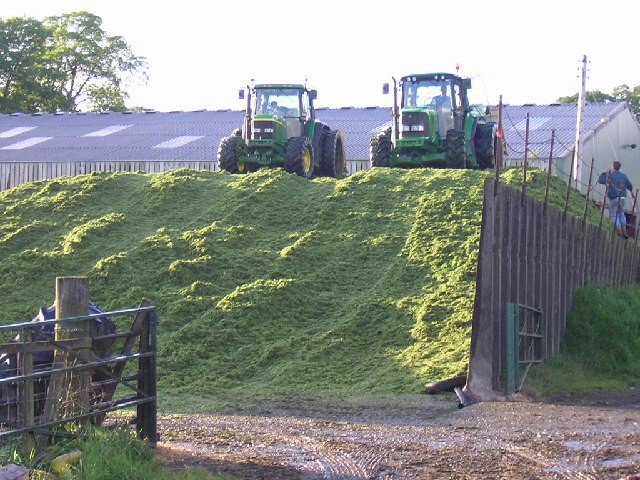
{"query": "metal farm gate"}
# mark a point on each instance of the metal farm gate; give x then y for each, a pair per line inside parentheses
(61, 371)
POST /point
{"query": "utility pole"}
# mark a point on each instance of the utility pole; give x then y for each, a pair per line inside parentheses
(577, 152)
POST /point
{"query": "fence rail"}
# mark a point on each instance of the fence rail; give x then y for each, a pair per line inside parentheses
(535, 255)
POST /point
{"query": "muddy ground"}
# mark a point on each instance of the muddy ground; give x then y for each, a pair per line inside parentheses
(418, 437)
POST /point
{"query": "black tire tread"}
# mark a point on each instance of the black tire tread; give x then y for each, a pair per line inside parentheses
(294, 157)
(333, 161)
(229, 152)
(380, 152)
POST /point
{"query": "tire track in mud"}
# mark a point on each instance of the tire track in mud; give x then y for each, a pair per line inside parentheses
(488, 440)
(569, 470)
(337, 464)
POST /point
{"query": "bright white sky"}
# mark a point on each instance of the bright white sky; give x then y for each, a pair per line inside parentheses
(200, 53)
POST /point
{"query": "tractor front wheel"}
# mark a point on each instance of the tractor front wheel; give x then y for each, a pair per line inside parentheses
(299, 157)
(228, 154)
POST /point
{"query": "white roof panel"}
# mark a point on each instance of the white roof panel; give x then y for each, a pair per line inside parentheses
(12, 132)
(107, 131)
(29, 142)
(178, 141)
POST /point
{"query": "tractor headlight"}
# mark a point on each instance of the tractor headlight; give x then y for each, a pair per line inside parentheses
(268, 130)
(413, 128)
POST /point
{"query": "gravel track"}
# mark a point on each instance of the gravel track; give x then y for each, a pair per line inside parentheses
(421, 437)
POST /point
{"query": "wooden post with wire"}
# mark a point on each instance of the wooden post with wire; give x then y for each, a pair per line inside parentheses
(633, 216)
(524, 167)
(72, 300)
(566, 197)
(586, 198)
(548, 185)
(498, 148)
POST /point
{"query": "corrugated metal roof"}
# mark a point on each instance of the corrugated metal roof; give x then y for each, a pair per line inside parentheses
(545, 119)
(194, 136)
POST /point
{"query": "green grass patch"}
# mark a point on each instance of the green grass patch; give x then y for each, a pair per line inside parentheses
(99, 455)
(601, 348)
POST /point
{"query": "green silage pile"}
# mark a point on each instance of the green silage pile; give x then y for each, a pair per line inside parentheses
(266, 284)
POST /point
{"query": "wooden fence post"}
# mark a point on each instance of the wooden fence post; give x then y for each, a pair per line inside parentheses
(72, 300)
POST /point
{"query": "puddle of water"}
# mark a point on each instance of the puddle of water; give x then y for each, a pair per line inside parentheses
(622, 462)
(578, 445)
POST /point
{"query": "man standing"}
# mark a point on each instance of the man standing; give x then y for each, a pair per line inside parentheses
(617, 185)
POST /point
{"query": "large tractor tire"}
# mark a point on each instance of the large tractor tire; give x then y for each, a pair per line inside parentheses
(229, 152)
(299, 157)
(380, 152)
(456, 155)
(333, 162)
(484, 141)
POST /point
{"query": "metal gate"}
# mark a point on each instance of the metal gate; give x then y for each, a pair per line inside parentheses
(77, 381)
(525, 344)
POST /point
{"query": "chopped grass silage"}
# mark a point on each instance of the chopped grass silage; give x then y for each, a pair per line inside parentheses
(266, 284)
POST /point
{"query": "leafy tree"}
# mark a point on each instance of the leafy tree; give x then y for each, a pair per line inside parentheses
(64, 62)
(621, 93)
(22, 50)
(595, 96)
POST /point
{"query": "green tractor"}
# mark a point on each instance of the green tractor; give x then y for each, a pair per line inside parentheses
(280, 130)
(434, 126)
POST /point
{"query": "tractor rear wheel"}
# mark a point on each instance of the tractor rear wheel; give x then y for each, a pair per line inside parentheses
(299, 157)
(333, 162)
(381, 148)
(229, 153)
(484, 141)
(456, 155)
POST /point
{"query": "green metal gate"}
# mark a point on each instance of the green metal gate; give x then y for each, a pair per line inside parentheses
(525, 343)
(27, 391)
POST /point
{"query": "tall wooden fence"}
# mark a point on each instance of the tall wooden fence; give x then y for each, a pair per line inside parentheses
(16, 173)
(534, 256)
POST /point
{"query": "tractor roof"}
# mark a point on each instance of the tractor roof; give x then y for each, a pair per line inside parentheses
(297, 86)
(430, 76)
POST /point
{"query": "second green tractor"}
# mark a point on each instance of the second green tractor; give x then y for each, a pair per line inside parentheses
(433, 125)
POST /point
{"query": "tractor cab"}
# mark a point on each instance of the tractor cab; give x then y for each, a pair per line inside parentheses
(286, 106)
(441, 96)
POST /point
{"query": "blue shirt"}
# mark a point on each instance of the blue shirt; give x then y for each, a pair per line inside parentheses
(618, 183)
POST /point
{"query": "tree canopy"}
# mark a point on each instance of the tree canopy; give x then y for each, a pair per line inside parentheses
(63, 63)
(621, 93)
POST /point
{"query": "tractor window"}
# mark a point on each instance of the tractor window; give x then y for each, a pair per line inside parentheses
(281, 101)
(426, 93)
